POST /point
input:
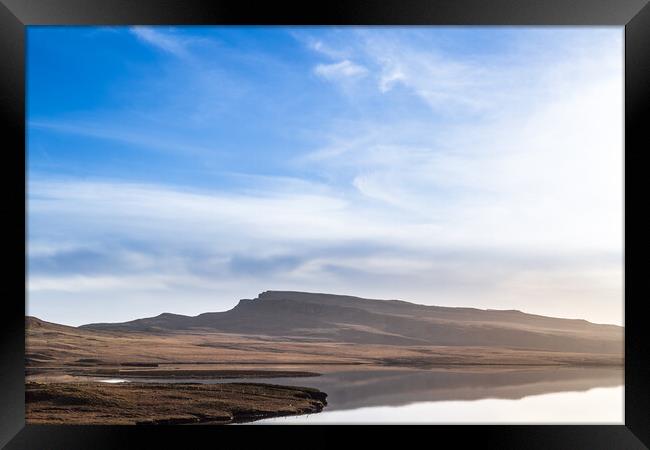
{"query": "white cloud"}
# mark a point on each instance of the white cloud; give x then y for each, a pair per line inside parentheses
(342, 70)
(77, 283)
(390, 77)
(327, 50)
(160, 39)
(444, 84)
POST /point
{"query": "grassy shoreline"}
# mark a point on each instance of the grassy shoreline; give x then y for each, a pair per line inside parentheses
(92, 403)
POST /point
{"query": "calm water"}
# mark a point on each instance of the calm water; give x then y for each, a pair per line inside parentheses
(598, 405)
(453, 395)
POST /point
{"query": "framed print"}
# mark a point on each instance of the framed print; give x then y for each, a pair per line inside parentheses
(369, 217)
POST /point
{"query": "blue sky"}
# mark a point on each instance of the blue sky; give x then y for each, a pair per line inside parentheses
(180, 169)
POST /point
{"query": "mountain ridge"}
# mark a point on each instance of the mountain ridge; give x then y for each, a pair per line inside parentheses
(344, 318)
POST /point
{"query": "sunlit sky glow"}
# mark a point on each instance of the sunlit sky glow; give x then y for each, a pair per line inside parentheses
(179, 169)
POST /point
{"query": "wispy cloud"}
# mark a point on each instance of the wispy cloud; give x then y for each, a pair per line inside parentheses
(327, 50)
(502, 175)
(160, 140)
(162, 40)
(345, 69)
(325, 47)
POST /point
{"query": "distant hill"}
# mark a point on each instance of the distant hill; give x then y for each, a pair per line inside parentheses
(340, 318)
(35, 324)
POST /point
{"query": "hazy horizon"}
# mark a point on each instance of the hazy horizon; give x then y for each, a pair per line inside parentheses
(181, 169)
(322, 293)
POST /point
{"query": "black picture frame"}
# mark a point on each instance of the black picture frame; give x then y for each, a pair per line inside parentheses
(15, 15)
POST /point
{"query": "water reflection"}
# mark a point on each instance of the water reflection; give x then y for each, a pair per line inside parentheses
(595, 406)
(488, 395)
(491, 394)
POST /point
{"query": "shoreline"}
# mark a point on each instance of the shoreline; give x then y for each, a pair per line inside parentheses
(94, 403)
